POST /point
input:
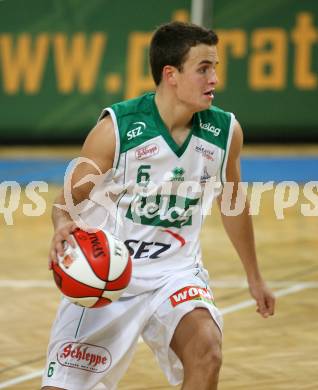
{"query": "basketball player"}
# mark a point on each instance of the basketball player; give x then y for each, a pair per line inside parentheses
(165, 139)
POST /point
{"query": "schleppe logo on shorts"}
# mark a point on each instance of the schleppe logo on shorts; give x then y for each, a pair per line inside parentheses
(190, 293)
(83, 356)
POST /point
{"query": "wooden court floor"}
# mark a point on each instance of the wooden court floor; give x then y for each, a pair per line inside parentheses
(280, 353)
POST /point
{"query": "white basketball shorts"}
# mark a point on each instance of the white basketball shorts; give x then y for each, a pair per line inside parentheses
(93, 347)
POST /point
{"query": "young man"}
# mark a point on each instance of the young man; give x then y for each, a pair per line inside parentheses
(162, 141)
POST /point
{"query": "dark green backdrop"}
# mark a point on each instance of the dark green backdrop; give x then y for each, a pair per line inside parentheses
(62, 61)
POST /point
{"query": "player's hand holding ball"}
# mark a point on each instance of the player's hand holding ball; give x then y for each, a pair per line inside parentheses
(94, 270)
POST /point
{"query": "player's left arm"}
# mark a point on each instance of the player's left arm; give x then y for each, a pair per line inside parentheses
(240, 230)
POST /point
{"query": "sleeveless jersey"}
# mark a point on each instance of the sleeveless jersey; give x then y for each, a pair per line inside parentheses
(166, 192)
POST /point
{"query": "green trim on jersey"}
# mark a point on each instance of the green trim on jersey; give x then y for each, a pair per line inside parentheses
(139, 121)
(213, 125)
(177, 149)
(135, 122)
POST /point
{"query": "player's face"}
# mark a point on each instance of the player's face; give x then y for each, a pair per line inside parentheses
(197, 79)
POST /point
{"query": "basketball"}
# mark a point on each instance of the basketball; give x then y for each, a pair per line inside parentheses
(94, 273)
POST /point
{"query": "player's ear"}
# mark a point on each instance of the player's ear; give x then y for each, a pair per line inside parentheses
(169, 74)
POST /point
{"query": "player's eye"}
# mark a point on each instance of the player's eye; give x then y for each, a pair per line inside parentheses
(203, 70)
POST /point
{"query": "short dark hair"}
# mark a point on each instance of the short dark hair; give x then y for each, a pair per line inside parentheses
(171, 43)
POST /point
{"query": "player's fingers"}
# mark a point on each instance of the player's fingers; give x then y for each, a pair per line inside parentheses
(270, 303)
(58, 243)
(59, 247)
(261, 307)
(70, 240)
(67, 234)
(73, 227)
(59, 239)
(52, 258)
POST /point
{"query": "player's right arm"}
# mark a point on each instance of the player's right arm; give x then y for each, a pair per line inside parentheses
(99, 148)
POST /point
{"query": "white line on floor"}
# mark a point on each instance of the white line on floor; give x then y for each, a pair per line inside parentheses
(237, 283)
(251, 302)
(20, 379)
(26, 284)
(230, 309)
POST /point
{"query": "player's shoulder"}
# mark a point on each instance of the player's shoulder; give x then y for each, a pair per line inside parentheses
(215, 126)
(217, 114)
(138, 105)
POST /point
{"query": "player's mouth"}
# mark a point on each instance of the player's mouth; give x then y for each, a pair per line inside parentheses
(209, 94)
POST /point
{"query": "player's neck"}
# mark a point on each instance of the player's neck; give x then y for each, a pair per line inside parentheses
(173, 113)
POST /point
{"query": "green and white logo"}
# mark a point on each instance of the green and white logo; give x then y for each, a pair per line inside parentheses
(177, 174)
(162, 210)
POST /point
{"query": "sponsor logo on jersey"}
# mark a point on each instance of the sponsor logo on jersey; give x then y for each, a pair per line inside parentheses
(175, 235)
(146, 250)
(205, 177)
(136, 131)
(83, 356)
(162, 210)
(190, 293)
(146, 151)
(210, 128)
(206, 153)
(177, 174)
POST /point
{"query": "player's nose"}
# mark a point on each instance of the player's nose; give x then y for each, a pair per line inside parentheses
(213, 79)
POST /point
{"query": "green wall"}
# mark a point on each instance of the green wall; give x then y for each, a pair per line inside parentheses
(62, 61)
(270, 52)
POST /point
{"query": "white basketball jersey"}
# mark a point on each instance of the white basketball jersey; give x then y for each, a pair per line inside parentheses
(166, 189)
